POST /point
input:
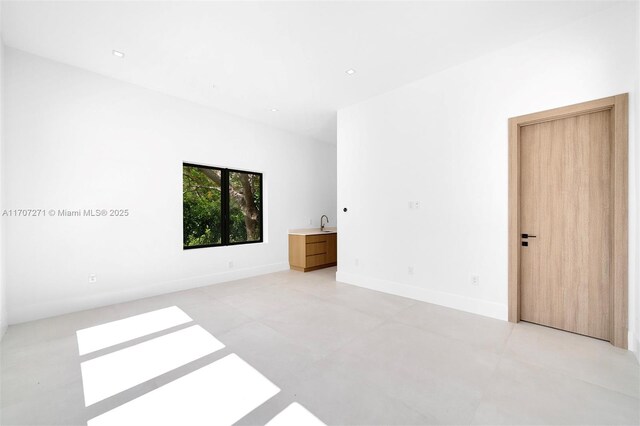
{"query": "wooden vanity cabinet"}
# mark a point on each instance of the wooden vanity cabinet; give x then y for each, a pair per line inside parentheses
(310, 252)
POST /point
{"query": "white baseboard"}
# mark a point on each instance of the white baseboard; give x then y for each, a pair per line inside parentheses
(634, 344)
(24, 313)
(449, 300)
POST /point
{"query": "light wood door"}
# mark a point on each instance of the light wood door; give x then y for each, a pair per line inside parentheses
(566, 203)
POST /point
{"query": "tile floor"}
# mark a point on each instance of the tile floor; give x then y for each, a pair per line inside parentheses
(351, 356)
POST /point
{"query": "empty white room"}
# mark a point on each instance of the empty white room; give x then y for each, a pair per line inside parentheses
(319, 212)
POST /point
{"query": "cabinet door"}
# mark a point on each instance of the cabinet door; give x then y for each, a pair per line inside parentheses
(297, 246)
(316, 238)
(332, 248)
(316, 248)
(316, 260)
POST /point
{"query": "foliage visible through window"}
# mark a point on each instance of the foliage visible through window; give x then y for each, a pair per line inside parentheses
(220, 206)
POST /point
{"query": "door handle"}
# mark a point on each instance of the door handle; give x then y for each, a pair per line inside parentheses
(528, 236)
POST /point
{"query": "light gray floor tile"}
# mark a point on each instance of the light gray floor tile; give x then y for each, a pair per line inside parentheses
(321, 326)
(581, 357)
(267, 411)
(44, 330)
(521, 393)
(236, 287)
(181, 299)
(271, 353)
(348, 354)
(368, 301)
(483, 332)
(39, 370)
(216, 317)
(321, 288)
(259, 302)
(440, 377)
(62, 406)
(338, 396)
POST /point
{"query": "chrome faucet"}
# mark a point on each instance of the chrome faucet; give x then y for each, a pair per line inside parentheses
(322, 224)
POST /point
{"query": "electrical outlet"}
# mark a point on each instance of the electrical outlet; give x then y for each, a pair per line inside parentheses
(231, 264)
(410, 270)
(92, 278)
(357, 262)
(416, 204)
(475, 280)
(310, 221)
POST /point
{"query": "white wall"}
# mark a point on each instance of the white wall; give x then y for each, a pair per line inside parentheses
(443, 141)
(3, 299)
(75, 139)
(635, 333)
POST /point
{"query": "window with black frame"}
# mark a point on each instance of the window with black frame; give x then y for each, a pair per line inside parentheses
(220, 206)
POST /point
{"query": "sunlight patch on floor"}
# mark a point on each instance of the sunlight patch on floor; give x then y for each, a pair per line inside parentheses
(118, 371)
(115, 332)
(220, 393)
(295, 415)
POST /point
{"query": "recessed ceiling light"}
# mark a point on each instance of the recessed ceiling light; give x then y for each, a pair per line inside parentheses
(118, 54)
(274, 110)
(350, 71)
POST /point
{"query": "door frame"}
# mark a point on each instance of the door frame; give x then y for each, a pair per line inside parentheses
(618, 105)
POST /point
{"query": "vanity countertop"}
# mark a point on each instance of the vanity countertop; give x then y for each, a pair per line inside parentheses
(314, 231)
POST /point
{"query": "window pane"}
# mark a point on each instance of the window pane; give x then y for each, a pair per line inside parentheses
(201, 206)
(245, 202)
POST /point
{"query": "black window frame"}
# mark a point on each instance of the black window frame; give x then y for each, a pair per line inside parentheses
(225, 207)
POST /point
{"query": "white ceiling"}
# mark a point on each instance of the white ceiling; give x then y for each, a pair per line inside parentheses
(291, 56)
